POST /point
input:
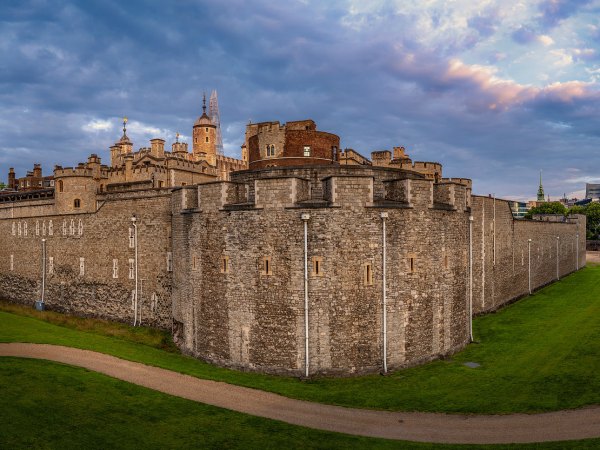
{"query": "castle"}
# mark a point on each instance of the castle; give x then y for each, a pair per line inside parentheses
(299, 259)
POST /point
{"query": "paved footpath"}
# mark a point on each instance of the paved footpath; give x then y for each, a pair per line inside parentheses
(423, 427)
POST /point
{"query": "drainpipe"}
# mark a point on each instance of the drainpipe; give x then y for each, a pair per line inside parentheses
(135, 295)
(529, 263)
(384, 216)
(470, 278)
(305, 218)
(557, 262)
(43, 270)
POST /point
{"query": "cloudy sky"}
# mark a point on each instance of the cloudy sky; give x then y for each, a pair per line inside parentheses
(494, 90)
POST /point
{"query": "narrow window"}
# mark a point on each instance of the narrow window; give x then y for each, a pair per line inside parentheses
(194, 262)
(37, 228)
(131, 238)
(367, 274)
(225, 264)
(12, 262)
(44, 228)
(24, 228)
(445, 261)
(206, 138)
(19, 226)
(411, 263)
(160, 184)
(50, 229)
(131, 268)
(307, 150)
(76, 203)
(206, 129)
(14, 229)
(81, 266)
(266, 266)
(317, 266)
(60, 186)
(51, 265)
(72, 227)
(115, 268)
(64, 227)
(169, 262)
(80, 227)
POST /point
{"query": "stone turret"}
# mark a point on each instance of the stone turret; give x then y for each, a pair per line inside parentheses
(204, 135)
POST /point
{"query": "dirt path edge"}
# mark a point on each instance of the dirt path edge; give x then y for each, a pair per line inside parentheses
(411, 426)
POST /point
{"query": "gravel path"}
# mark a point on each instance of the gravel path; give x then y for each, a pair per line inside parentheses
(423, 427)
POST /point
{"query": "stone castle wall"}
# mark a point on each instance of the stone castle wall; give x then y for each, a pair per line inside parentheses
(235, 295)
(248, 318)
(81, 250)
(501, 252)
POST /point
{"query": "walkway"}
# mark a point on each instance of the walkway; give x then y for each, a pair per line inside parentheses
(423, 427)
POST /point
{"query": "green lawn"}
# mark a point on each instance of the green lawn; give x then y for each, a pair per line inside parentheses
(540, 354)
(49, 405)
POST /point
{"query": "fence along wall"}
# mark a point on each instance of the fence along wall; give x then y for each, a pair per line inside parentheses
(501, 252)
(89, 258)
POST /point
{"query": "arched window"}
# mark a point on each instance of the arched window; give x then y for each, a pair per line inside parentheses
(76, 203)
(60, 186)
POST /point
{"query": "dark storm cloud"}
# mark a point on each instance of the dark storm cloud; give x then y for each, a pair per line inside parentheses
(69, 71)
(524, 35)
(554, 11)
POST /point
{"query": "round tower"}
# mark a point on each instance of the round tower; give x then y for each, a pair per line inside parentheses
(204, 137)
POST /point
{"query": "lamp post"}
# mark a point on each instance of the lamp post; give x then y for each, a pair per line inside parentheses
(135, 294)
(529, 263)
(577, 253)
(305, 218)
(40, 305)
(557, 259)
(384, 215)
(470, 278)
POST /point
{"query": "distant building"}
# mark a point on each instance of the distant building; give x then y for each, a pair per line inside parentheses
(33, 181)
(519, 209)
(540, 193)
(592, 190)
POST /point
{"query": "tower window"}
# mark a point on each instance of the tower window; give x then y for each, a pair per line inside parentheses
(60, 186)
(225, 264)
(76, 203)
(266, 266)
(206, 129)
(367, 274)
(307, 150)
(317, 266)
(270, 150)
(206, 138)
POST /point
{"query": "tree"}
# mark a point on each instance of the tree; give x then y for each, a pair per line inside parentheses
(547, 208)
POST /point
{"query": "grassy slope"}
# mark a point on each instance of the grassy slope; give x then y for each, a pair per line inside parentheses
(49, 405)
(542, 353)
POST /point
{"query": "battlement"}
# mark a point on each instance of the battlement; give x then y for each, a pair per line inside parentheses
(467, 182)
(80, 171)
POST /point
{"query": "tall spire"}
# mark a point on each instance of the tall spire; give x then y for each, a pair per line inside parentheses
(540, 193)
(204, 103)
(124, 126)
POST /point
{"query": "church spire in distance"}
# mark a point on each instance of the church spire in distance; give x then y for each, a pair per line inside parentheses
(540, 193)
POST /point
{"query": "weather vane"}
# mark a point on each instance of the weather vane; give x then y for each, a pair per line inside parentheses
(177, 137)
(124, 125)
